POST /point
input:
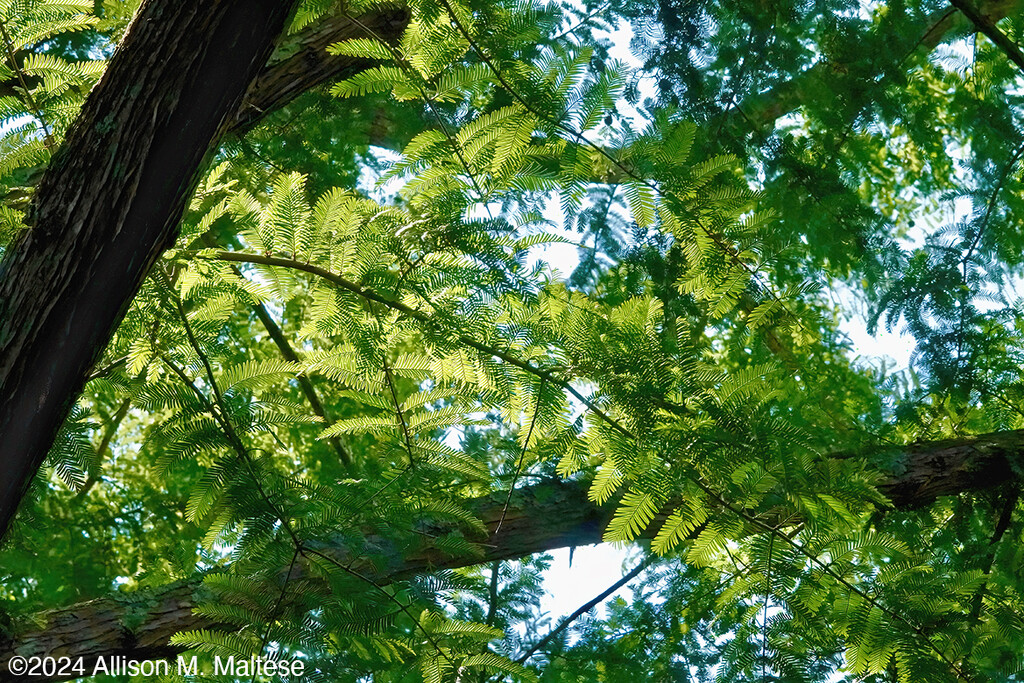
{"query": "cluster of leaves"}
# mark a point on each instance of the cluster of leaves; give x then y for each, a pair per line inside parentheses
(40, 93)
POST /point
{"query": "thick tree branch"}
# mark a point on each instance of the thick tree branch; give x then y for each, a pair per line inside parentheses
(924, 472)
(301, 62)
(542, 517)
(988, 27)
(827, 78)
(539, 518)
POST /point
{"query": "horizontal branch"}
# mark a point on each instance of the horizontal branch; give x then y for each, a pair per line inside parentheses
(550, 515)
(539, 518)
(818, 85)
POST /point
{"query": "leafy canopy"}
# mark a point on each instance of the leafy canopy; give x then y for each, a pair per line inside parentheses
(356, 337)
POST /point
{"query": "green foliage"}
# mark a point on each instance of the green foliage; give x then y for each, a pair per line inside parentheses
(41, 93)
(346, 351)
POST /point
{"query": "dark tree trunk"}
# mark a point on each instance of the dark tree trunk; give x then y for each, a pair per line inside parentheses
(109, 205)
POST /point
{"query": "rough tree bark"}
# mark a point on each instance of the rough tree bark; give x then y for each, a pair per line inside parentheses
(543, 517)
(110, 201)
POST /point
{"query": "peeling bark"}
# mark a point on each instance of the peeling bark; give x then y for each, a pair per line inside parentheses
(930, 470)
(301, 62)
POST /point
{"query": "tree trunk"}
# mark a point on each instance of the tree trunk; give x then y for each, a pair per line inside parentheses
(543, 517)
(109, 205)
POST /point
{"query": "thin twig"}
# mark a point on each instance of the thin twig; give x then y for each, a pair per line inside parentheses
(107, 369)
(389, 596)
(584, 608)
(991, 204)
(764, 620)
(1002, 524)
(398, 410)
(582, 22)
(277, 606)
(966, 259)
(492, 593)
(305, 384)
(750, 519)
(522, 457)
(108, 435)
(404, 65)
(926, 36)
(29, 99)
(219, 412)
(288, 353)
